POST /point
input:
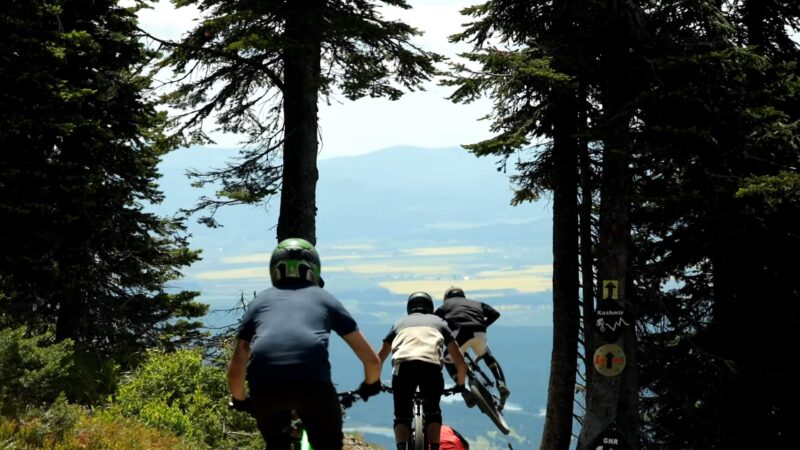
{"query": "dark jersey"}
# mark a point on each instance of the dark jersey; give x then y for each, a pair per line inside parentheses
(419, 337)
(288, 329)
(465, 316)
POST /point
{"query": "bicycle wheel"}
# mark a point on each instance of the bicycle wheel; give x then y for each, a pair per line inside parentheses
(487, 404)
(419, 433)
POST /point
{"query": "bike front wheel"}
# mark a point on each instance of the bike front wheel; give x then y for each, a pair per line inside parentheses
(488, 405)
(419, 433)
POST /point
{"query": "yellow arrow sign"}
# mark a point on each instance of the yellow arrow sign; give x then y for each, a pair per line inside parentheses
(610, 289)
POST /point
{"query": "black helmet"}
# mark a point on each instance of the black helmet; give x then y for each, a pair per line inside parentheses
(297, 259)
(419, 302)
(453, 291)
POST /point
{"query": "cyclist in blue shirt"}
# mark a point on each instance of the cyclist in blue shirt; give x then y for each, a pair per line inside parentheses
(282, 352)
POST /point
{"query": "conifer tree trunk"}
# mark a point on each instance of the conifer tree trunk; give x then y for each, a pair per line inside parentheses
(614, 399)
(298, 209)
(586, 240)
(566, 314)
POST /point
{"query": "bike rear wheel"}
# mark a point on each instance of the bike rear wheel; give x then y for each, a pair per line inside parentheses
(487, 404)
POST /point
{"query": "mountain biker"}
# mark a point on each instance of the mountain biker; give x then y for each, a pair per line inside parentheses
(469, 319)
(450, 439)
(282, 352)
(417, 342)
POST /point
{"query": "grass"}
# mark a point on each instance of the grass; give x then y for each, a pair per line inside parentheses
(76, 428)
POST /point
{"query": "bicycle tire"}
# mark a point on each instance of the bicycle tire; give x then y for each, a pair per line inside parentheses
(419, 433)
(487, 405)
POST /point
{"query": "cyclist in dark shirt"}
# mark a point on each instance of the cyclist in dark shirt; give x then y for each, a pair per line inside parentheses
(417, 343)
(469, 319)
(282, 352)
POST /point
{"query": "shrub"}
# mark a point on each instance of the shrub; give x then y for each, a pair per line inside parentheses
(71, 427)
(33, 370)
(179, 392)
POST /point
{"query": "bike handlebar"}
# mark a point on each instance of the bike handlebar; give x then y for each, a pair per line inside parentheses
(346, 399)
(445, 392)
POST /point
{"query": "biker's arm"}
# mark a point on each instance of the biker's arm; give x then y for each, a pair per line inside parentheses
(364, 352)
(458, 359)
(386, 348)
(237, 369)
(490, 314)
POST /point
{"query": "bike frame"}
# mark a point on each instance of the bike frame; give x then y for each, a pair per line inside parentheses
(346, 399)
(418, 434)
(479, 384)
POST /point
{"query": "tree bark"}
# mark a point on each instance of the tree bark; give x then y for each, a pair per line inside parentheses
(586, 241)
(566, 312)
(614, 399)
(301, 59)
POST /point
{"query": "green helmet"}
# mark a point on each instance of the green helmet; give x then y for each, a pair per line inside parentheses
(295, 258)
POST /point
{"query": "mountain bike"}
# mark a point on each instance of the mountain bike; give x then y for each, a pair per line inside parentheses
(482, 388)
(418, 437)
(299, 439)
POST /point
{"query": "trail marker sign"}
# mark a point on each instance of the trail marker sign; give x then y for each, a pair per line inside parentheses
(611, 319)
(609, 360)
(610, 439)
(610, 289)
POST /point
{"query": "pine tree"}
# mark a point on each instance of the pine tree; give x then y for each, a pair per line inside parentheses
(533, 77)
(718, 160)
(81, 141)
(263, 66)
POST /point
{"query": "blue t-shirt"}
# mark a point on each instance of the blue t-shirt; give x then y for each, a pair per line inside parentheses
(288, 329)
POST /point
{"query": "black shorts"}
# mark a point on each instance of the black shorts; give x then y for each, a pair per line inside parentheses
(413, 374)
(317, 406)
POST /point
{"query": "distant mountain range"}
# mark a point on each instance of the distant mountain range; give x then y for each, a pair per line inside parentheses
(390, 222)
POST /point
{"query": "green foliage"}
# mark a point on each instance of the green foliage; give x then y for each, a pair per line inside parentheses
(33, 370)
(700, 100)
(82, 140)
(772, 191)
(63, 426)
(179, 392)
(716, 179)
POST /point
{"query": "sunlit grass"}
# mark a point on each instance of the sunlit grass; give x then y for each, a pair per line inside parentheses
(265, 257)
(529, 284)
(244, 259)
(353, 247)
(446, 251)
(527, 271)
(394, 269)
(234, 274)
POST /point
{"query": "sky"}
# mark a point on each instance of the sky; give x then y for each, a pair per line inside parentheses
(421, 119)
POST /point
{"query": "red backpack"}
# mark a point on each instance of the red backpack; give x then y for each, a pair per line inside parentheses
(450, 439)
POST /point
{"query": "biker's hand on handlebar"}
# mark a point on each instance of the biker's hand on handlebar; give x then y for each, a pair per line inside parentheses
(241, 405)
(459, 388)
(367, 390)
